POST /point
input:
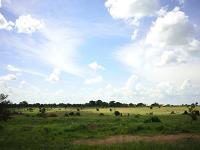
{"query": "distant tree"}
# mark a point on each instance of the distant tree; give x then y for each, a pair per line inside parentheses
(155, 105)
(192, 112)
(140, 105)
(117, 113)
(23, 104)
(92, 103)
(4, 111)
(111, 104)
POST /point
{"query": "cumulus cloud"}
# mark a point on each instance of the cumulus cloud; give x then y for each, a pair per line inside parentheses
(8, 77)
(125, 9)
(54, 76)
(28, 24)
(95, 66)
(13, 69)
(172, 29)
(131, 82)
(181, 2)
(23, 84)
(186, 85)
(94, 80)
(4, 24)
(169, 57)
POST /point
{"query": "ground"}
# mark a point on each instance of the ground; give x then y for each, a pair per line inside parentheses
(91, 131)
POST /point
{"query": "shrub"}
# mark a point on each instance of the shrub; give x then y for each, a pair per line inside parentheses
(101, 114)
(42, 110)
(52, 115)
(185, 112)
(152, 119)
(78, 109)
(117, 113)
(66, 115)
(121, 114)
(4, 111)
(71, 113)
(44, 115)
(196, 112)
(110, 109)
(151, 107)
(172, 112)
(151, 113)
(78, 114)
(97, 109)
(137, 116)
(193, 116)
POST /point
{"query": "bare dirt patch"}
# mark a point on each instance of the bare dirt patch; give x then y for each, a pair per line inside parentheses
(130, 138)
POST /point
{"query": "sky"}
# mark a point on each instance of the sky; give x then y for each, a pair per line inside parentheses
(129, 51)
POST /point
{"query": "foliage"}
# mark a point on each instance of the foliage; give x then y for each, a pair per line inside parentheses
(152, 119)
(4, 111)
(117, 113)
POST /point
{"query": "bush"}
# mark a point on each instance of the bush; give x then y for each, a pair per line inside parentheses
(4, 111)
(71, 113)
(196, 112)
(44, 115)
(52, 115)
(117, 113)
(101, 114)
(172, 112)
(110, 109)
(78, 114)
(193, 116)
(152, 119)
(97, 109)
(78, 109)
(185, 112)
(66, 115)
(137, 116)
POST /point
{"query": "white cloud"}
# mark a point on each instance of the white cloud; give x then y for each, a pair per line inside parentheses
(22, 84)
(95, 66)
(186, 85)
(19, 70)
(169, 57)
(131, 82)
(135, 34)
(8, 77)
(54, 76)
(0, 4)
(94, 80)
(125, 9)
(13, 69)
(4, 24)
(172, 29)
(132, 11)
(27, 24)
(181, 2)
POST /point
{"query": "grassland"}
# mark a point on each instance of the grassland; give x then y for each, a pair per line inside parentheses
(28, 131)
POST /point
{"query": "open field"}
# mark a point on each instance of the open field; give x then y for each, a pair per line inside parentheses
(29, 131)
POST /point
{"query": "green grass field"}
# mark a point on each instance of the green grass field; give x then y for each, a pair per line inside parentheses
(29, 131)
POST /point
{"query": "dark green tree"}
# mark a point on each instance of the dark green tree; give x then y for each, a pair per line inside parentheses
(4, 111)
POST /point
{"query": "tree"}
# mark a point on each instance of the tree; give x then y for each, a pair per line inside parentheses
(4, 112)
(23, 104)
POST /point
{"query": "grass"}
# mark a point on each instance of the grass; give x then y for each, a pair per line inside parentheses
(29, 131)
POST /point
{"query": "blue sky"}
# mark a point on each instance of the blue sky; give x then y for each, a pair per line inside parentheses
(75, 51)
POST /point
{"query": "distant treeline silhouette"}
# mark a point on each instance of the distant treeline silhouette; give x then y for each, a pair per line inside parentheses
(92, 103)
